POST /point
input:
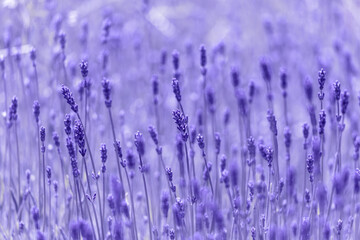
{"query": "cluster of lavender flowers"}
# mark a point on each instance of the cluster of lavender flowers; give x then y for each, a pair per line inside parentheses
(122, 121)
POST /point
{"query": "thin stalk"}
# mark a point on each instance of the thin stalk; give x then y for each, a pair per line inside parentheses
(120, 175)
(76, 200)
(40, 167)
(49, 208)
(77, 191)
(147, 199)
(132, 204)
(191, 147)
(18, 160)
(36, 79)
(64, 67)
(207, 169)
(93, 166)
(103, 216)
(190, 189)
(87, 206)
(21, 78)
(157, 120)
(303, 192)
(44, 197)
(62, 168)
(87, 176)
(114, 139)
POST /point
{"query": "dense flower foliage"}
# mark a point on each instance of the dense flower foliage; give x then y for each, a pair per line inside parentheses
(179, 120)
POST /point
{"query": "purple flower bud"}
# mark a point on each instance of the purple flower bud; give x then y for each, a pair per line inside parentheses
(226, 117)
(269, 156)
(272, 121)
(56, 139)
(234, 173)
(181, 121)
(339, 226)
(176, 60)
(107, 92)
(217, 142)
(337, 90)
(35, 216)
(176, 89)
(321, 79)
(130, 159)
(201, 142)
(62, 40)
(308, 89)
(84, 68)
(322, 121)
(69, 98)
(283, 79)
(202, 56)
(13, 110)
(242, 101)
(344, 101)
(36, 110)
(118, 150)
(48, 174)
(165, 203)
(210, 97)
(265, 71)
(42, 134)
(67, 123)
(305, 130)
(310, 166)
(79, 135)
(33, 54)
(2, 63)
(287, 137)
(139, 143)
(103, 153)
(235, 79)
(251, 91)
(291, 180)
(163, 57)
(225, 178)
(179, 210)
(155, 85)
(153, 135)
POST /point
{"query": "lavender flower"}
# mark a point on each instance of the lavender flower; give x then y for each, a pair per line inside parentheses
(272, 122)
(165, 203)
(69, 98)
(176, 89)
(36, 111)
(344, 101)
(107, 92)
(265, 70)
(337, 90)
(139, 143)
(79, 135)
(181, 122)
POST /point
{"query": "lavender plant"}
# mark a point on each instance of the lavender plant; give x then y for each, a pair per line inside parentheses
(237, 144)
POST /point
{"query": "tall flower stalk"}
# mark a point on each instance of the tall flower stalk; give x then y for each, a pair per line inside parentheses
(140, 147)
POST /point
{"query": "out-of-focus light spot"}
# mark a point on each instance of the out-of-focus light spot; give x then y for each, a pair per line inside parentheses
(219, 32)
(156, 18)
(73, 18)
(10, 4)
(23, 49)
